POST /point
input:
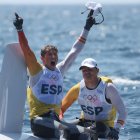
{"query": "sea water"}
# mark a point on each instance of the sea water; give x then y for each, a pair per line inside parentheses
(115, 44)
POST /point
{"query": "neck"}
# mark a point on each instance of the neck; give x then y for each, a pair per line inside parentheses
(92, 84)
(50, 68)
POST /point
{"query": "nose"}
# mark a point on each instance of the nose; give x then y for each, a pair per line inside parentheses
(53, 55)
(85, 72)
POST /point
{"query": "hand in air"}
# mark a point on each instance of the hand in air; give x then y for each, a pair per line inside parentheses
(18, 22)
(89, 21)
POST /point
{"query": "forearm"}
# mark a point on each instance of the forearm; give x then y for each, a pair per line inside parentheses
(31, 61)
(70, 98)
(29, 55)
(113, 95)
(121, 113)
(23, 42)
(75, 50)
(65, 106)
(80, 42)
(67, 101)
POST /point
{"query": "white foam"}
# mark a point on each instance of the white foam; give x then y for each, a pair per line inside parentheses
(124, 81)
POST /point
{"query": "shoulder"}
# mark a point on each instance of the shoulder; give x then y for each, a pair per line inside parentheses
(111, 89)
(36, 69)
(106, 79)
(73, 93)
(76, 88)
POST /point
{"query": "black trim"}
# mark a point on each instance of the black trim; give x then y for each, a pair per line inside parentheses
(96, 85)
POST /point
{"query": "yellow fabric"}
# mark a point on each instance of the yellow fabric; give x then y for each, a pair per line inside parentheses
(72, 95)
(112, 115)
(111, 119)
(30, 58)
(36, 69)
(38, 108)
(106, 79)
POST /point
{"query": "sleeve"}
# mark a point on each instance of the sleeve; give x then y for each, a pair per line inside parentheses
(70, 97)
(113, 94)
(75, 50)
(31, 61)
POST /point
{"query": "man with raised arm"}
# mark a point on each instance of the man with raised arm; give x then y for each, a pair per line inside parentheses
(46, 81)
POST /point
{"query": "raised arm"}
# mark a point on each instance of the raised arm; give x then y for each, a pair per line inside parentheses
(30, 58)
(77, 47)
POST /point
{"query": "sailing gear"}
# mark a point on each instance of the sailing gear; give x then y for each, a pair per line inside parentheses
(90, 21)
(113, 134)
(18, 22)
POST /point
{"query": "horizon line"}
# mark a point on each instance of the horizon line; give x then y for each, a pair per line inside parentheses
(70, 3)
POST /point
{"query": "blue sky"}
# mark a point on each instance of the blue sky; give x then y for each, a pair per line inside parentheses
(64, 1)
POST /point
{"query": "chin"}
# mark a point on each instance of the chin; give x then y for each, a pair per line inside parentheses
(52, 67)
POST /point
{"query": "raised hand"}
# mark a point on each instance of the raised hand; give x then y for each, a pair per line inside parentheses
(89, 21)
(18, 22)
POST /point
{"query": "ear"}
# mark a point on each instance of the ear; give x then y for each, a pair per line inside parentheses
(97, 70)
(43, 60)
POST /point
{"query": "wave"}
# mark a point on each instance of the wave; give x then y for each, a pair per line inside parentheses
(124, 81)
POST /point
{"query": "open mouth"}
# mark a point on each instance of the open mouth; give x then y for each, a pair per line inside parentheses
(53, 63)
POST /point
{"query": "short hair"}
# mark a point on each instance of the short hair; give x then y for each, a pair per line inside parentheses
(48, 48)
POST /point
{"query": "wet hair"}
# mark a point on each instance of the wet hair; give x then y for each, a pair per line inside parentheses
(48, 48)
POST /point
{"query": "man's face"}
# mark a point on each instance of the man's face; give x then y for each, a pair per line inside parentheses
(50, 59)
(89, 73)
